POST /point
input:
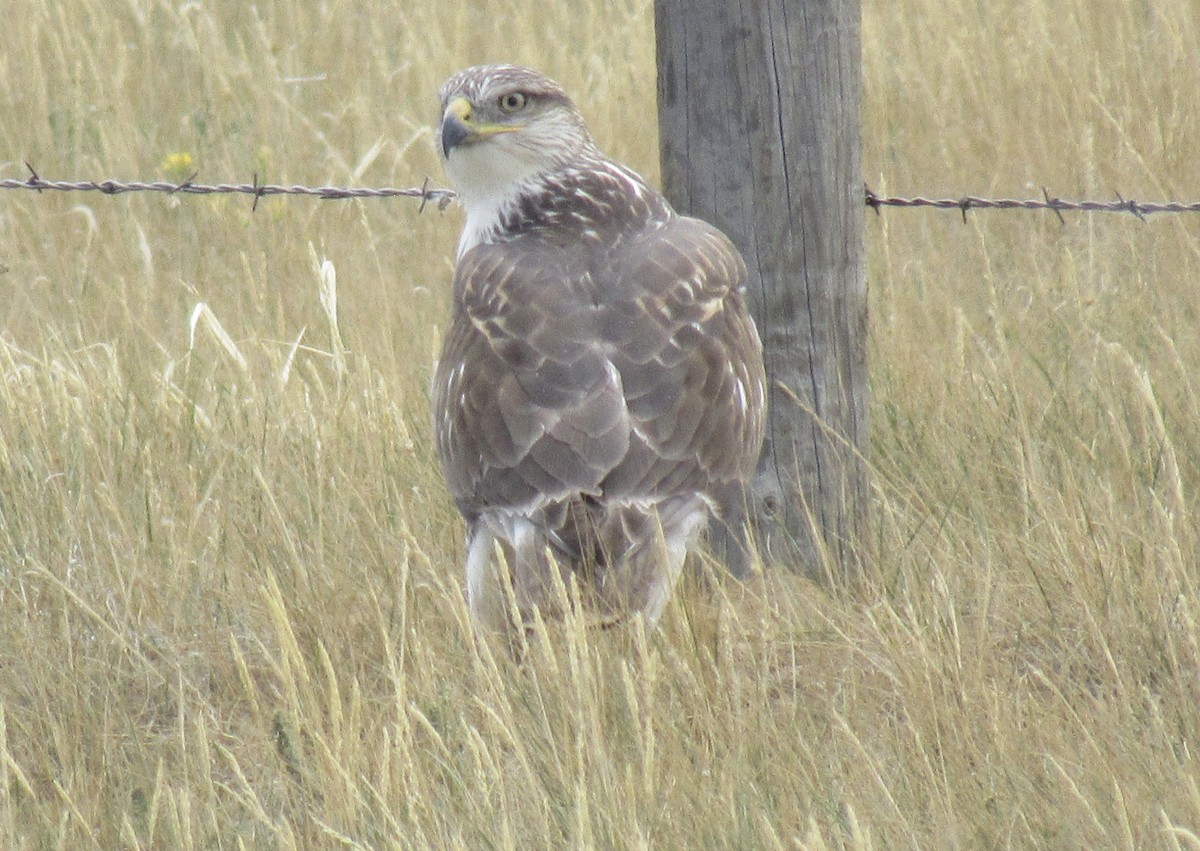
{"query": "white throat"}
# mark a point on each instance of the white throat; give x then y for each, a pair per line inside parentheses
(485, 212)
(489, 181)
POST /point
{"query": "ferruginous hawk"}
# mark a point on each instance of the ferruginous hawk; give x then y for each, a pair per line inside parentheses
(600, 392)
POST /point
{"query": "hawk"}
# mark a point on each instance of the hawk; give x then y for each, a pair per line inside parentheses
(600, 393)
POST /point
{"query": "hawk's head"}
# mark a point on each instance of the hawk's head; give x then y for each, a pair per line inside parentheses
(502, 125)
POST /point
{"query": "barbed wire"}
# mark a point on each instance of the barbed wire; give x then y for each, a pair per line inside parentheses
(442, 197)
(1141, 209)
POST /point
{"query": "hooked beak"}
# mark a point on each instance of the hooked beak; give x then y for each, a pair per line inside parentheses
(455, 127)
(458, 128)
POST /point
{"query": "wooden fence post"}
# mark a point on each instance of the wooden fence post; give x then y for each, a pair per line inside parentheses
(758, 109)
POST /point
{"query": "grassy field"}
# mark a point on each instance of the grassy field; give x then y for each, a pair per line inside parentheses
(230, 597)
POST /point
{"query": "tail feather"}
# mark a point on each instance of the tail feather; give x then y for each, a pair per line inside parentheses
(614, 559)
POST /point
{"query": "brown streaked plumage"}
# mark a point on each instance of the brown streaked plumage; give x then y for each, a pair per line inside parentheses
(600, 393)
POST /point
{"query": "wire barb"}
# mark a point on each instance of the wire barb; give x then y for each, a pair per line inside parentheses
(33, 178)
(1053, 204)
(424, 195)
(873, 200)
(183, 186)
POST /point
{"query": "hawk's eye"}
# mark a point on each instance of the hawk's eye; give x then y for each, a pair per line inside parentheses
(511, 102)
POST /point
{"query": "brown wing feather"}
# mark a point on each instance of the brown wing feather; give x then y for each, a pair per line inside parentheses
(527, 406)
(606, 373)
(681, 354)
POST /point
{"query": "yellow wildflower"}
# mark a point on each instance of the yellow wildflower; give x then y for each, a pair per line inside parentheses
(179, 165)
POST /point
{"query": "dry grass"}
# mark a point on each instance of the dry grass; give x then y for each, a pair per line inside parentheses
(230, 606)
